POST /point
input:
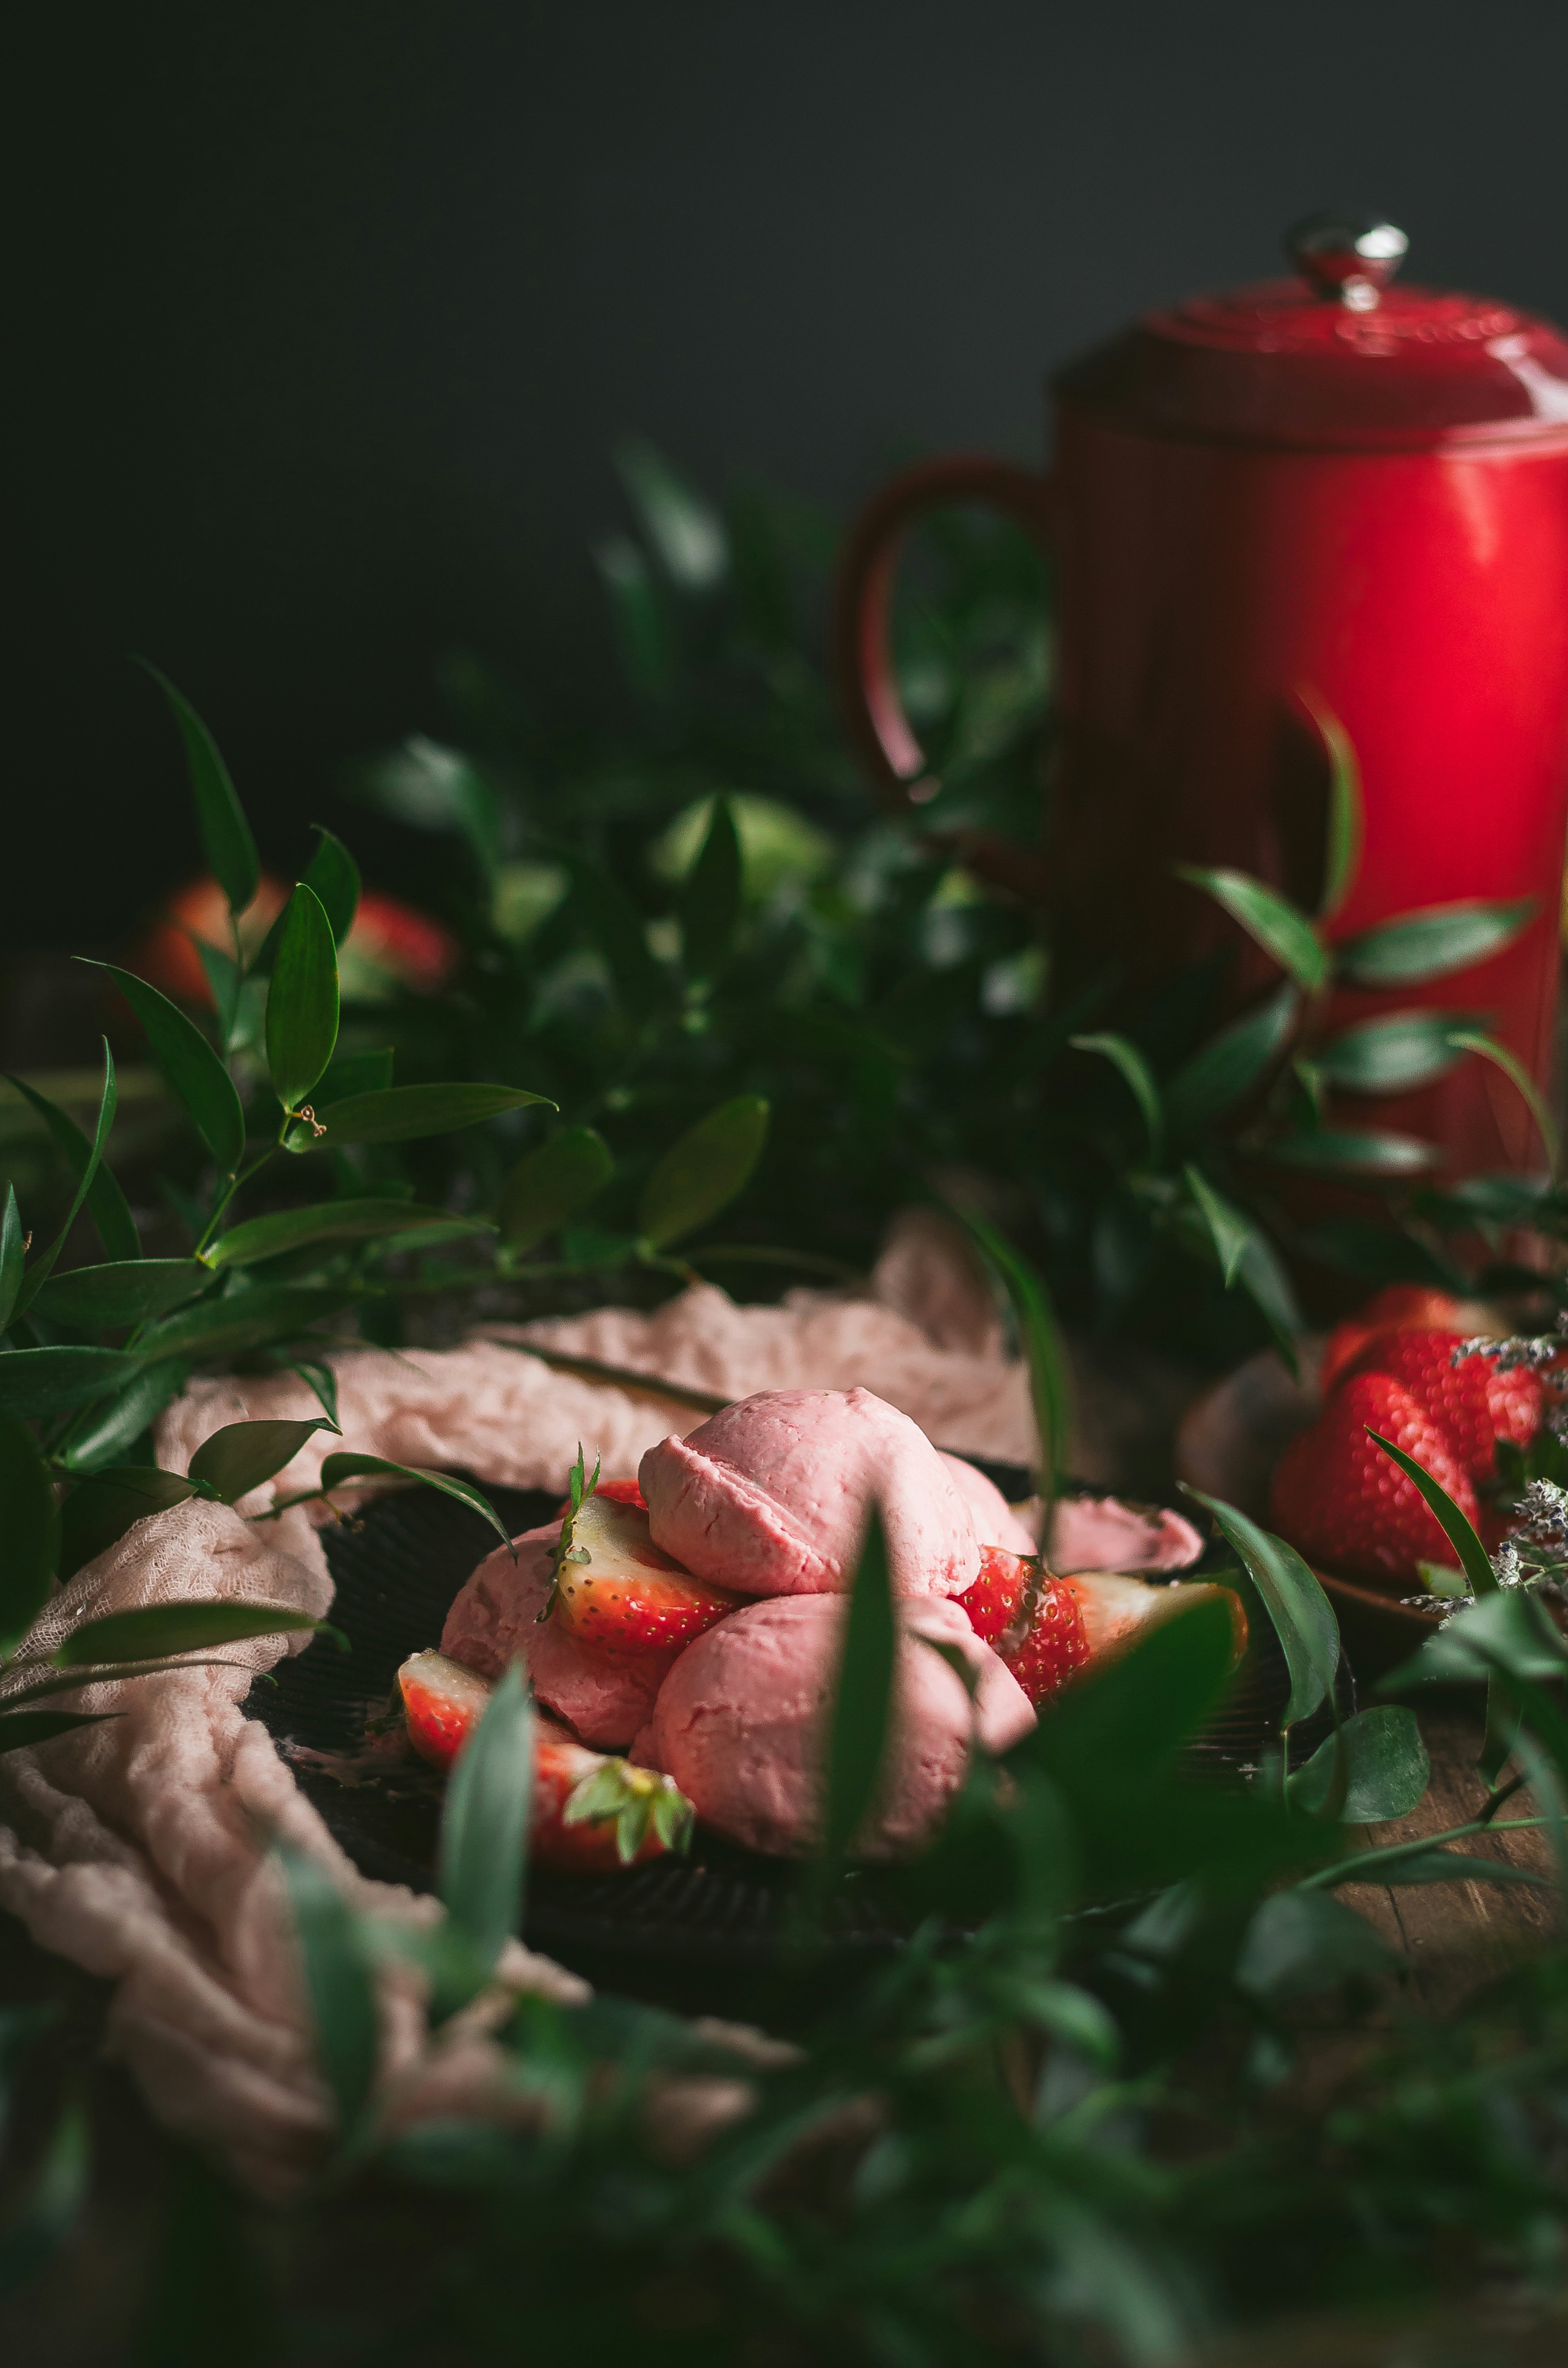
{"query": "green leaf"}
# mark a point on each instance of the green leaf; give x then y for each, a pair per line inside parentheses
(323, 1220)
(862, 1707)
(1266, 1280)
(51, 2206)
(550, 1184)
(242, 1456)
(1302, 1614)
(1303, 1940)
(1543, 1771)
(1385, 1767)
(1420, 1862)
(1505, 1630)
(1392, 1054)
(1473, 1558)
(95, 1187)
(485, 1821)
(21, 1729)
(130, 1290)
(94, 1439)
(1231, 1231)
(1040, 1336)
(1285, 934)
(1432, 943)
(225, 978)
(323, 1381)
(402, 1112)
(100, 1510)
(1125, 1719)
(437, 789)
(710, 903)
(1125, 1056)
(245, 1319)
(703, 1170)
(302, 1005)
(354, 1073)
(12, 1256)
(191, 1066)
(206, 2291)
(335, 876)
(1357, 1149)
(29, 1532)
(49, 1381)
(686, 532)
(1469, 1039)
(1231, 1063)
(185, 1626)
(347, 1465)
(338, 1982)
(614, 924)
(1494, 1614)
(639, 617)
(1342, 850)
(225, 833)
(1380, 1253)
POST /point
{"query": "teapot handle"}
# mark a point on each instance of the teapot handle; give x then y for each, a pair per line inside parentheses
(867, 688)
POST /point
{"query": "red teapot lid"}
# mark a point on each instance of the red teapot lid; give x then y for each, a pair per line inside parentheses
(1334, 358)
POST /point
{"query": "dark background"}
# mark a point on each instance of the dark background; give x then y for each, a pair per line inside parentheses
(327, 316)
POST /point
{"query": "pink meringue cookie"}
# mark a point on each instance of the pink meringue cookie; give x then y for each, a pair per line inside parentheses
(772, 1496)
(1102, 1533)
(742, 1722)
(995, 1524)
(604, 1697)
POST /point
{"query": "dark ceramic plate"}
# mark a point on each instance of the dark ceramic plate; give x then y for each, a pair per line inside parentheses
(703, 1932)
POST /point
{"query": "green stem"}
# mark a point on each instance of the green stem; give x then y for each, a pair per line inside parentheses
(1344, 1870)
(236, 1182)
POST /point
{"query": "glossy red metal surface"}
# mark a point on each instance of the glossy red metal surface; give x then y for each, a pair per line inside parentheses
(1276, 366)
(1258, 495)
(1424, 597)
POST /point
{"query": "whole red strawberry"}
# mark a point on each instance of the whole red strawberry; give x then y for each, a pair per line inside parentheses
(1471, 1401)
(1011, 1587)
(1345, 1505)
(1397, 1304)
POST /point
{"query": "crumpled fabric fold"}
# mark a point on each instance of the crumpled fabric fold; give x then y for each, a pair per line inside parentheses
(139, 1848)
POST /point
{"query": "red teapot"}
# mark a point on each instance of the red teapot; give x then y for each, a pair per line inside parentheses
(1326, 495)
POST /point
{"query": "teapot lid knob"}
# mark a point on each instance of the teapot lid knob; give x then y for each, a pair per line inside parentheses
(1350, 257)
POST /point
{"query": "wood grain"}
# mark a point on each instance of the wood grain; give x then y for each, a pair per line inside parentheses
(1456, 1937)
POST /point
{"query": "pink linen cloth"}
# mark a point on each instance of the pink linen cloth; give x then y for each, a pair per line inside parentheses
(139, 1848)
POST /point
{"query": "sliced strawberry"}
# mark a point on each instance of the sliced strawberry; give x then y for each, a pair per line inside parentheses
(615, 1590)
(442, 1702)
(620, 1492)
(1116, 1607)
(1399, 1303)
(1345, 1504)
(593, 1812)
(1471, 1401)
(1012, 1591)
(588, 1810)
(994, 1600)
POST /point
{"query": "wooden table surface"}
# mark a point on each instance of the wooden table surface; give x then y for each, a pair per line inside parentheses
(1457, 1936)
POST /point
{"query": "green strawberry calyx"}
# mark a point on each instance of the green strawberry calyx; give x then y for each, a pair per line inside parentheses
(638, 1799)
(562, 1551)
